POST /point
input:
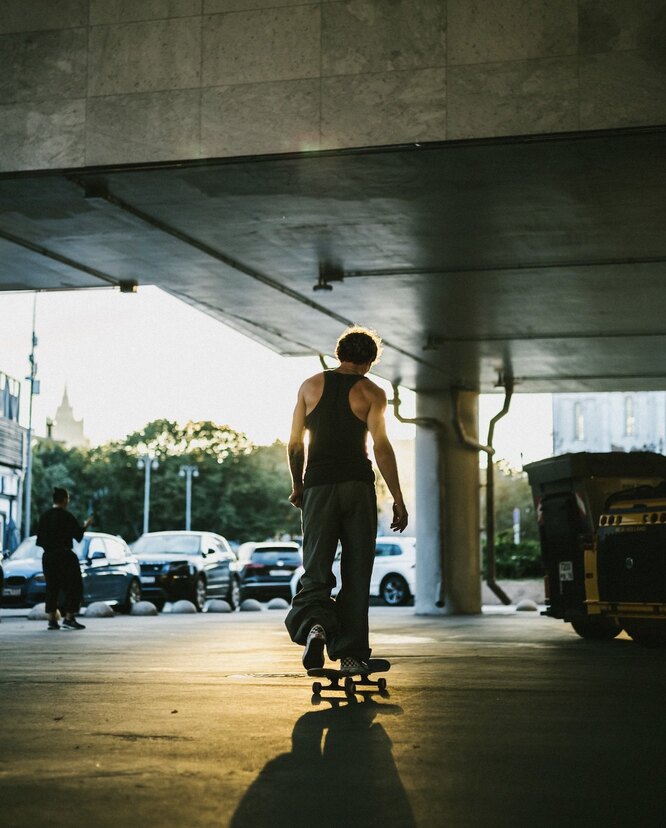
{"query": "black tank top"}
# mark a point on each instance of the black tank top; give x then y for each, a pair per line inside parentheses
(337, 449)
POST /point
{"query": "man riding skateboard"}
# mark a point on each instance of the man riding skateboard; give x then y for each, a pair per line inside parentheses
(337, 497)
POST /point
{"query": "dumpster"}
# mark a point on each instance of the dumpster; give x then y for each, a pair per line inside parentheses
(570, 493)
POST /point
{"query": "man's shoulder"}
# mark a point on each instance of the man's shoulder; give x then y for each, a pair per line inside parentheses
(311, 390)
(372, 390)
(313, 381)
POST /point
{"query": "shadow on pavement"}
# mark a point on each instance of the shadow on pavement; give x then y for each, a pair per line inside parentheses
(340, 771)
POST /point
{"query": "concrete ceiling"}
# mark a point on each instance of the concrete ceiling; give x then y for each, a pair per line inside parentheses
(539, 258)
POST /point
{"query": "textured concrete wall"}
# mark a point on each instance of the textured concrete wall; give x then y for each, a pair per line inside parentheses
(110, 81)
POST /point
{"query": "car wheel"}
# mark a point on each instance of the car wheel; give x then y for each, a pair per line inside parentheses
(596, 629)
(647, 632)
(394, 590)
(133, 596)
(233, 596)
(198, 597)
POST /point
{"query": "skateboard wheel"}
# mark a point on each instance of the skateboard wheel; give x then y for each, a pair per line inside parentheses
(316, 688)
(350, 686)
(381, 683)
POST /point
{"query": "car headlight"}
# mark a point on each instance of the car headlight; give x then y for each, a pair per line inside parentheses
(181, 570)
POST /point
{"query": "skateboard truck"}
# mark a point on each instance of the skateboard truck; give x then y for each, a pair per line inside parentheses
(350, 683)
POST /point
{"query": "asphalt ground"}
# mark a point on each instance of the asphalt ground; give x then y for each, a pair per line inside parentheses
(503, 719)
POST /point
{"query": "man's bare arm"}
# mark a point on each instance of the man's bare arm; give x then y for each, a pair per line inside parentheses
(296, 451)
(385, 457)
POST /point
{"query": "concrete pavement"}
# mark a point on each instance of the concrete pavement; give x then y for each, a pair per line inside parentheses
(178, 720)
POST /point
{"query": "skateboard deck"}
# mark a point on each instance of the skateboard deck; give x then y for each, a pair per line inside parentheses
(350, 681)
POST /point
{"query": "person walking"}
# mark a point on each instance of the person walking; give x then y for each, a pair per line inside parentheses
(56, 532)
(335, 490)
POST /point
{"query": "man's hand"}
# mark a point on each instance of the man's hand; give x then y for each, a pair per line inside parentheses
(88, 521)
(400, 517)
(296, 496)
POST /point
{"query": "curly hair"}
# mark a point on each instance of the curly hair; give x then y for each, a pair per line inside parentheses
(358, 345)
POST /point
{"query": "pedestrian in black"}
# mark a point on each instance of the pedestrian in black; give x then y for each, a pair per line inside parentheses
(56, 532)
(336, 492)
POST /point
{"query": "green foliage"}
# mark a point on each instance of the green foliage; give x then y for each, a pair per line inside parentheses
(512, 490)
(522, 560)
(241, 491)
(54, 465)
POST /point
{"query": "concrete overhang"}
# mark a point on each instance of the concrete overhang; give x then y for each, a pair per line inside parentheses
(542, 258)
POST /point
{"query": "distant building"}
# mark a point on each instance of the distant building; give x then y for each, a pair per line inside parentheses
(11, 461)
(65, 428)
(617, 421)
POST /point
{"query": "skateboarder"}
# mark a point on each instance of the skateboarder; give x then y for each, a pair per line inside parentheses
(337, 497)
(57, 530)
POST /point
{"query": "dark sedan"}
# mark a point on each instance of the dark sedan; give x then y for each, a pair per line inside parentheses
(109, 570)
(191, 565)
(267, 573)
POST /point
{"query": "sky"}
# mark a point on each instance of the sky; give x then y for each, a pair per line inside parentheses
(127, 359)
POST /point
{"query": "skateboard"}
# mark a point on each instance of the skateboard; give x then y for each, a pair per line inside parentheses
(350, 681)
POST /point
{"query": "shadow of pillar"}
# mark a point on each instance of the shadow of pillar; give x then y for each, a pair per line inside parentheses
(340, 771)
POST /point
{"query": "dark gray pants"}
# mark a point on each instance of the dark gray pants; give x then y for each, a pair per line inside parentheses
(345, 512)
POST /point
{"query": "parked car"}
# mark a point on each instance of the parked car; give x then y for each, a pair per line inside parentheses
(268, 571)
(109, 570)
(393, 573)
(191, 565)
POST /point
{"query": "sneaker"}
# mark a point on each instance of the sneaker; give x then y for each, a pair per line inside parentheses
(313, 655)
(53, 625)
(72, 624)
(350, 666)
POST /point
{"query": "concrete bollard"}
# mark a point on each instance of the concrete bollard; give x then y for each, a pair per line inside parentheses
(251, 605)
(217, 605)
(99, 609)
(277, 604)
(526, 606)
(183, 607)
(144, 608)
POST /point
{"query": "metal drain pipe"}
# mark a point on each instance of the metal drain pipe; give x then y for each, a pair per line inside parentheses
(426, 422)
(490, 570)
(490, 498)
(490, 573)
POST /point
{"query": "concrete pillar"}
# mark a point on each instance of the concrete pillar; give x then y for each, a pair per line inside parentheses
(448, 563)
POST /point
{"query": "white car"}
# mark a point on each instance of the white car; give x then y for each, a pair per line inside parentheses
(393, 573)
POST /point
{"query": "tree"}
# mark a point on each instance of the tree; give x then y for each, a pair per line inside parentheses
(54, 465)
(241, 492)
(512, 490)
(255, 494)
(522, 560)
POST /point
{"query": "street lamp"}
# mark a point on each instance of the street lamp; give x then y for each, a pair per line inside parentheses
(146, 463)
(34, 390)
(188, 472)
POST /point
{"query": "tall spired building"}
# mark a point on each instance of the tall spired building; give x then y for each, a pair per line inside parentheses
(65, 428)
